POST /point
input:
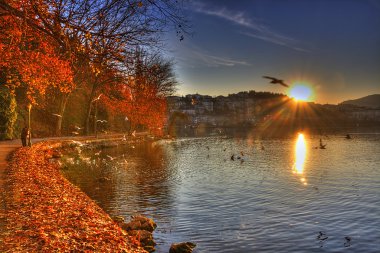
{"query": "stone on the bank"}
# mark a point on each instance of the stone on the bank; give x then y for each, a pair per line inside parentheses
(183, 247)
(118, 219)
(103, 179)
(140, 223)
(149, 248)
(141, 228)
(145, 238)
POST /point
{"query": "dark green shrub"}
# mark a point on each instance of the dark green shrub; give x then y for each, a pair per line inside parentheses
(8, 115)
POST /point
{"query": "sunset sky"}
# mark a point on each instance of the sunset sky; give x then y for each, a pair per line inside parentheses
(334, 45)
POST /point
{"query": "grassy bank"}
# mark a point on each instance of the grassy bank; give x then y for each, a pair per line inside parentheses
(46, 213)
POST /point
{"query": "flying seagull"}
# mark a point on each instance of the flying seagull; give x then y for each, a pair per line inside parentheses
(96, 99)
(275, 80)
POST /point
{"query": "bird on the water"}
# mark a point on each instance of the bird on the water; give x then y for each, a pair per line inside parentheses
(348, 241)
(322, 236)
(276, 81)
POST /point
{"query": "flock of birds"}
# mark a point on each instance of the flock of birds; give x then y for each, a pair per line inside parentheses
(78, 128)
(116, 161)
(96, 159)
(322, 237)
(323, 146)
(79, 145)
(242, 159)
(234, 157)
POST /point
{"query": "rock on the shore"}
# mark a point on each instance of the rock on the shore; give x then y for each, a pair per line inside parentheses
(103, 179)
(145, 238)
(183, 247)
(118, 219)
(139, 223)
(141, 228)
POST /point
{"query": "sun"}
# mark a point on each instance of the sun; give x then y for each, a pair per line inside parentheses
(301, 92)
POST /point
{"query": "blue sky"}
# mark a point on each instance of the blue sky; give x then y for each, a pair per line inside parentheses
(334, 45)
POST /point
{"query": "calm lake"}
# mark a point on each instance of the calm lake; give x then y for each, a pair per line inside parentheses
(282, 195)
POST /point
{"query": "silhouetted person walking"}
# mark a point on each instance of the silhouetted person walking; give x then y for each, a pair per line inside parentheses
(24, 136)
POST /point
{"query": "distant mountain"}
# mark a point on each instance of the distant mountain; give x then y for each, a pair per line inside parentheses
(372, 101)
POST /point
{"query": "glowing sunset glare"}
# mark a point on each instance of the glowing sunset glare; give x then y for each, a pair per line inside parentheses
(301, 92)
(300, 152)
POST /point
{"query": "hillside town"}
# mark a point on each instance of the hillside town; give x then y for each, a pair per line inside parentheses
(253, 109)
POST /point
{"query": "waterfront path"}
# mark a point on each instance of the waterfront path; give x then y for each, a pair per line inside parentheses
(6, 148)
(85, 223)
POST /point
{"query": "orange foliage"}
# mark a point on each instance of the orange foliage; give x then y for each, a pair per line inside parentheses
(31, 57)
(140, 103)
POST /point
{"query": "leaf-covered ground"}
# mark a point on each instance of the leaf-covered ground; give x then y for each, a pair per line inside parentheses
(46, 213)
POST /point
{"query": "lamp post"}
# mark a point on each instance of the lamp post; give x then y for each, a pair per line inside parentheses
(30, 133)
(127, 124)
(96, 119)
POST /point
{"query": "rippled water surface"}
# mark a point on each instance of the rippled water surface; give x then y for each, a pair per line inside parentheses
(276, 199)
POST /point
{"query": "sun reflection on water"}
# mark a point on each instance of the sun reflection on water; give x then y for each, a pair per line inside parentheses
(300, 157)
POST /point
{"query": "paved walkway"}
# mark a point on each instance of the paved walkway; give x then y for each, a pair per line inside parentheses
(6, 148)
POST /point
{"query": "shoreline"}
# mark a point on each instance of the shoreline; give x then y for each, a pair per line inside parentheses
(45, 212)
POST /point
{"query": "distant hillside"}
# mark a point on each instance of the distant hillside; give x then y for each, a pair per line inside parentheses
(372, 101)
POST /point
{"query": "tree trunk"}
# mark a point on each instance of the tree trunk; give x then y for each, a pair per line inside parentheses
(61, 111)
(88, 111)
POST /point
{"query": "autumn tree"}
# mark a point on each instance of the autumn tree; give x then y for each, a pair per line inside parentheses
(119, 28)
(142, 96)
(153, 80)
(84, 39)
(29, 57)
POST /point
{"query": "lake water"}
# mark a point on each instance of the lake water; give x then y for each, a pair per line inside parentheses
(278, 198)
